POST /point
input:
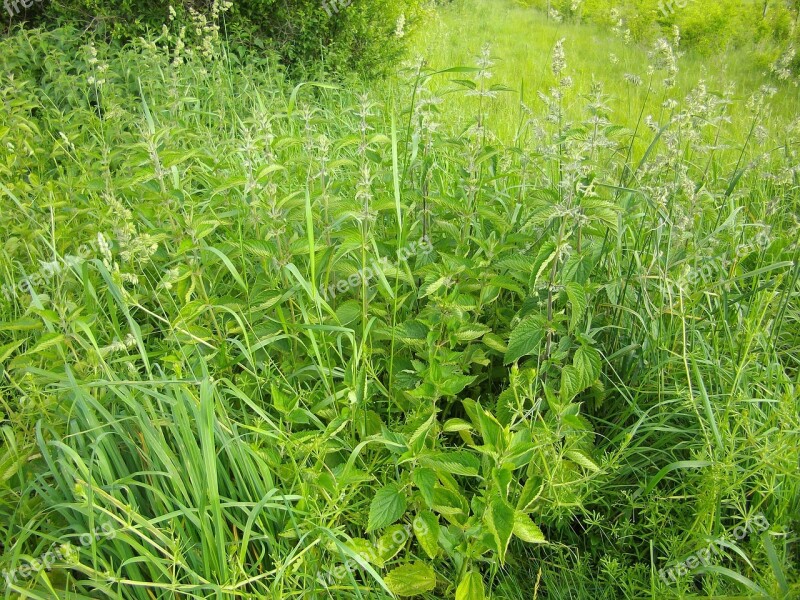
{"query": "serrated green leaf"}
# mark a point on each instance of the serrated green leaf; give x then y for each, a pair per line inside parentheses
(525, 338)
(8, 349)
(495, 342)
(587, 363)
(582, 459)
(426, 529)
(452, 425)
(391, 542)
(46, 341)
(571, 380)
(411, 580)
(547, 254)
(366, 550)
(425, 479)
(471, 587)
(387, 506)
(468, 333)
(577, 297)
(459, 462)
(499, 519)
(526, 530)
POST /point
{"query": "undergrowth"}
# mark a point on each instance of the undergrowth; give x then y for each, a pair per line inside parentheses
(269, 341)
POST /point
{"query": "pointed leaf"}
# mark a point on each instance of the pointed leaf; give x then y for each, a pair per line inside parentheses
(387, 506)
(583, 460)
(458, 462)
(426, 529)
(525, 338)
(471, 587)
(411, 580)
(425, 479)
(499, 518)
(526, 530)
(577, 297)
(588, 363)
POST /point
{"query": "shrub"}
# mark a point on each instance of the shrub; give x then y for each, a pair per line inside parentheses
(366, 35)
(362, 35)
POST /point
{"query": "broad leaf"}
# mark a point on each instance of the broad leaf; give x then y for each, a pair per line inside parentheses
(471, 587)
(426, 530)
(588, 363)
(391, 542)
(526, 530)
(499, 518)
(577, 298)
(411, 580)
(526, 338)
(387, 506)
(425, 479)
(458, 462)
(583, 460)
(571, 382)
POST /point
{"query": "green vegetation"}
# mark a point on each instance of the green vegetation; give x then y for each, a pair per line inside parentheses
(365, 36)
(767, 28)
(516, 322)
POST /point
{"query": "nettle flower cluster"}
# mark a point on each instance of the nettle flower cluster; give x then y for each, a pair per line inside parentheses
(782, 68)
(198, 32)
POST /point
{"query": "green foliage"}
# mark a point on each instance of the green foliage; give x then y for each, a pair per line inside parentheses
(766, 28)
(367, 36)
(574, 358)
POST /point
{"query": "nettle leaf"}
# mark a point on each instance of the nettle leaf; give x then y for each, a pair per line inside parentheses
(417, 440)
(531, 491)
(588, 363)
(434, 286)
(452, 425)
(491, 430)
(458, 462)
(583, 460)
(602, 211)
(471, 587)
(495, 342)
(425, 479)
(499, 519)
(426, 529)
(470, 332)
(577, 297)
(387, 506)
(391, 542)
(450, 504)
(366, 550)
(571, 381)
(455, 384)
(411, 580)
(578, 267)
(526, 338)
(527, 530)
(547, 254)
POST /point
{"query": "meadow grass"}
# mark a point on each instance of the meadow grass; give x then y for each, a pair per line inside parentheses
(590, 373)
(522, 40)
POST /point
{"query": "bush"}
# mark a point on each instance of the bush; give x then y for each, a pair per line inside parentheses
(366, 36)
(362, 35)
